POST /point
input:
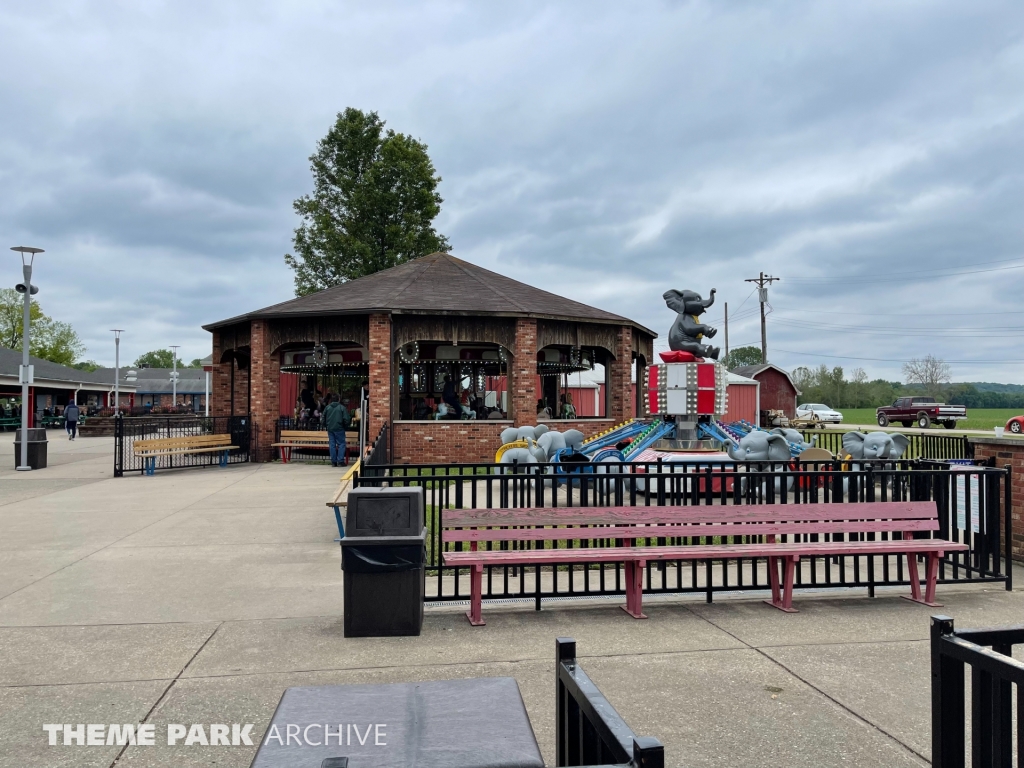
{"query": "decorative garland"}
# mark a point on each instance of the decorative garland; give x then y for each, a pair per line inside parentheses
(502, 355)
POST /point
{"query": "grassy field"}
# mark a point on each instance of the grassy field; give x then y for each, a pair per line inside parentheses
(977, 418)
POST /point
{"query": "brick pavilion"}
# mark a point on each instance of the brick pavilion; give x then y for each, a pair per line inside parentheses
(405, 331)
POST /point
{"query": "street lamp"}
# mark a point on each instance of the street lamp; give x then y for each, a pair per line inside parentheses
(174, 376)
(25, 373)
(117, 368)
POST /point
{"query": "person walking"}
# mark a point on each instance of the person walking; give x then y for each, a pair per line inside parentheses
(335, 419)
(71, 414)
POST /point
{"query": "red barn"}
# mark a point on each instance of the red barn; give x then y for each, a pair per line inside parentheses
(777, 390)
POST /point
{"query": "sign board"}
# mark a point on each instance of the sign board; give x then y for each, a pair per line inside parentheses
(26, 374)
(968, 487)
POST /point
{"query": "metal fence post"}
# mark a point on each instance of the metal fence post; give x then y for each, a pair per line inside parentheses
(948, 722)
(566, 728)
(648, 752)
(1008, 523)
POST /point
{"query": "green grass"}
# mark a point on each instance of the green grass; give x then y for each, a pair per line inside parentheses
(977, 418)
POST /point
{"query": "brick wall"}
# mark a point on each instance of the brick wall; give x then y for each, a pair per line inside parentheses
(523, 378)
(1008, 452)
(380, 374)
(448, 442)
(220, 380)
(266, 377)
(241, 405)
(620, 378)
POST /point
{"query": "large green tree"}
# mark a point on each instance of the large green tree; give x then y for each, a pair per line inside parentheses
(49, 339)
(158, 358)
(373, 204)
(743, 356)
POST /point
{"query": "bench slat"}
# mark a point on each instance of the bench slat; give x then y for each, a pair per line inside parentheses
(886, 510)
(176, 451)
(731, 551)
(677, 531)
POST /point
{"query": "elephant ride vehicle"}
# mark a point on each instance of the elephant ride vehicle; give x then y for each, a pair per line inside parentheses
(1016, 425)
(923, 411)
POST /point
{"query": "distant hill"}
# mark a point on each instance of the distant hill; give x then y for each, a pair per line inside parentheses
(988, 386)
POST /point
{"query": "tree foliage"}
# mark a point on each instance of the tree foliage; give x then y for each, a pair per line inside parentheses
(373, 204)
(158, 358)
(49, 339)
(831, 387)
(743, 356)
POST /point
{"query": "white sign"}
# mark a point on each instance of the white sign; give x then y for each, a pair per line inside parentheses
(26, 374)
(961, 502)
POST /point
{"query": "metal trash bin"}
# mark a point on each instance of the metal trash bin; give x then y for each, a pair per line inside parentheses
(37, 443)
(383, 556)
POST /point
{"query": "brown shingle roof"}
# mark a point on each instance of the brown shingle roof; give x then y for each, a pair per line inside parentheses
(436, 284)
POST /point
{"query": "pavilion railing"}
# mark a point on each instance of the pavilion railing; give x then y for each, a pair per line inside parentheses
(994, 673)
(922, 446)
(128, 431)
(970, 502)
(588, 730)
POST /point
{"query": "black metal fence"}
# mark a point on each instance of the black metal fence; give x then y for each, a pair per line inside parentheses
(970, 503)
(377, 454)
(129, 431)
(922, 446)
(588, 730)
(994, 672)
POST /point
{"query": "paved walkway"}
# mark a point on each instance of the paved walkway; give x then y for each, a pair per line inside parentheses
(199, 596)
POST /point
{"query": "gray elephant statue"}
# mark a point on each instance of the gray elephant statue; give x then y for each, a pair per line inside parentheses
(794, 437)
(875, 446)
(687, 332)
(760, 446)
(553, 441)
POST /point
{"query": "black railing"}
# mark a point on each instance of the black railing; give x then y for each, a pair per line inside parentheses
(376, 455)
(588, 730)
(994, 672)
(970, 502)
(922, 446)
(129, 431)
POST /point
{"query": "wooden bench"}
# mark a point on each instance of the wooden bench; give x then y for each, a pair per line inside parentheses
(151, 450)
(298, 438)
(768, 523)
(337, 503)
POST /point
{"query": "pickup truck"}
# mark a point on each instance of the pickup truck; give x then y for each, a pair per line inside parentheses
(922, 410)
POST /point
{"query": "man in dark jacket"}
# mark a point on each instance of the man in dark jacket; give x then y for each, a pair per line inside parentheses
(71, 414)
(335, 419)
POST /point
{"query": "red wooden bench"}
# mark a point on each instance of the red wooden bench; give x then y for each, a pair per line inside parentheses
(766, 522)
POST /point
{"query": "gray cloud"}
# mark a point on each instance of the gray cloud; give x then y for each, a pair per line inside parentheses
(603, 151)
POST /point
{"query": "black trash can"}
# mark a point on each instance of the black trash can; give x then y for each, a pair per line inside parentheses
(383, 556)
(37, 443)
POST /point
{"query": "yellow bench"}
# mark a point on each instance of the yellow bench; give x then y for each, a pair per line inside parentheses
(151, 450)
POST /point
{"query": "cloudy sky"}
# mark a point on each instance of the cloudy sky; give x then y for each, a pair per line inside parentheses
(868, 153)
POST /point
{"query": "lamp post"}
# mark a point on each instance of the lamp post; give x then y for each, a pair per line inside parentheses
(174, 376)
(117, 368)
(25, 374)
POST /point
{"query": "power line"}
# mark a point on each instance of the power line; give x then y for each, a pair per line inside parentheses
(890, 275)
(762, 282)
(894, 360)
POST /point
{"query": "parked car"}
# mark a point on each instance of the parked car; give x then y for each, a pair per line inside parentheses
(920, 410)
(1015, 425)
(819, 413)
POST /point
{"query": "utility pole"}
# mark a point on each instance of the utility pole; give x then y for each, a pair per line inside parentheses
(117, 369)
(727, 333)
(174, 377)
(762, 296)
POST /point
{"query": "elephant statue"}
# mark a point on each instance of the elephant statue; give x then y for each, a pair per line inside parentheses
(760, 446)
(687, 331)
(794, 437)
(553, 441)
(875, 446)
(522, 456)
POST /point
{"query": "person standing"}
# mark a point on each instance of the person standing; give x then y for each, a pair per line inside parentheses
(335, 419)
(71, 414)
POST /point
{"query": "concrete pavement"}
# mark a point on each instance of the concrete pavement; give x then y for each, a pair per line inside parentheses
(198, 596)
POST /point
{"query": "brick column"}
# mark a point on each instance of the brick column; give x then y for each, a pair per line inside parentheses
(220, 380)
(1008, 451)
(522, 382)
(265, 369)
(620, 398)
(380, 375)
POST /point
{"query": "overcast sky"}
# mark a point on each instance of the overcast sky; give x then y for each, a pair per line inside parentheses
(868, 153)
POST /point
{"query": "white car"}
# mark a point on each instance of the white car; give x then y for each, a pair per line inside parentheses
(818, 412)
